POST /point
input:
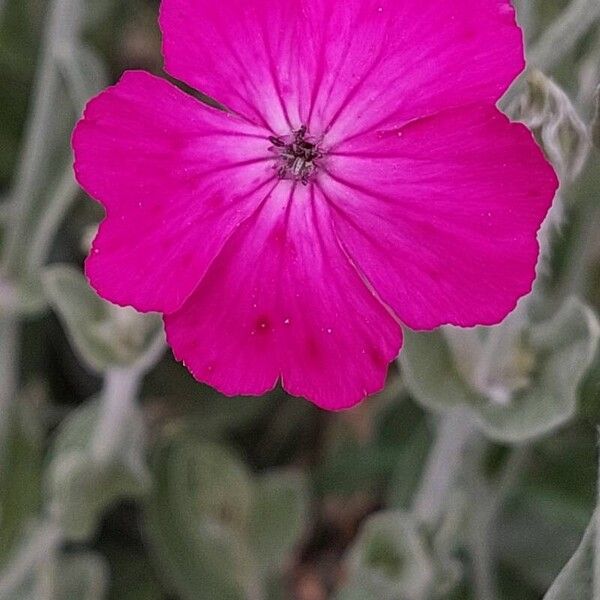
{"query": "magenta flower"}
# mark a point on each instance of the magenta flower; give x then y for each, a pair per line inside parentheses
(360, 178)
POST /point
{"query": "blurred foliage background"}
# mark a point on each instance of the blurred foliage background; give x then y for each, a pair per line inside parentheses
(471, 476)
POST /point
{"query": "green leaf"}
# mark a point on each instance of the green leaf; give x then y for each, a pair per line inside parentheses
(520, 385)
(104, 335)
(195, 520)
(278, 517)
(79, 486)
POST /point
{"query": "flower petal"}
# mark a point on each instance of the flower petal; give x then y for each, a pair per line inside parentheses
(345, 66)
(410, 59)
(282, 300)
(244, 54)
(176, 178)
(441, 215)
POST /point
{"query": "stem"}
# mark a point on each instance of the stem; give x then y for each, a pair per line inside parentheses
(59, 204)
(596, 533)
(557, 41)
(60, 31)
(9, 368)
(562, 36)
(44, 541)
(118, 399)
(444, 462)
(486, 507)
(9, 374)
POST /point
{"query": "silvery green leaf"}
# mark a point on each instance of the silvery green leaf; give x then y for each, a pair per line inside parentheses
(390, 560)
(522, 383)
(104, 335)
(576, 580)
(79, 487)
(549, 112)
(195, 520)
(278, 517)
(220, 482)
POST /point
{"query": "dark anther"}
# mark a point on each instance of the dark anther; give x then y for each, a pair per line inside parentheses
(298, 155)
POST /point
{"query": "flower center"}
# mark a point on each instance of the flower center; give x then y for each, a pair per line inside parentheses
(297, 155)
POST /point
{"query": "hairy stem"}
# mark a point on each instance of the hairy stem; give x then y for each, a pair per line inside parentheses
(59, 204)
(487, 503)
(556, 42)
(562, 36)
(118, 398)
(63, 26)
(9, 373)
(596, 520)
(9, 364)
(443, 465)
(43, 543)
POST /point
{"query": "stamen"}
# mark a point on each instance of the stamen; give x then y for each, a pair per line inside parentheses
(298, 155)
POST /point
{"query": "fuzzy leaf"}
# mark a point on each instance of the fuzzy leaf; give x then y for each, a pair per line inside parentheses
(277, 517)
(194, 520)
(575, 581)
(392, 559)
(81, 488)
(104, 335)
(531, 380)
(549, 112)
